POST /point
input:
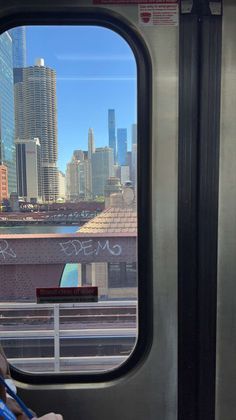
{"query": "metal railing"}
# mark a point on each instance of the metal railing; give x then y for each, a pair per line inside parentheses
(55, 332)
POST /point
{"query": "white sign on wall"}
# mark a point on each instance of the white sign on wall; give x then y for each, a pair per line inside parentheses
(165, 14)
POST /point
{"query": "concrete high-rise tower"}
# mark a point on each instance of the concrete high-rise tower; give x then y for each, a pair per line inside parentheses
(91, 143)
(78, 178)
(36, 103)
(72, 180)
(62, 185)
(28, 165)
(112, 132)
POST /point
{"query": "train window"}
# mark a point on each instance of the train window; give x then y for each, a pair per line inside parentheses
(68, 187)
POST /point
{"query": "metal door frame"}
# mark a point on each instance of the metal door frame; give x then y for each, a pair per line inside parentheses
(199, 134)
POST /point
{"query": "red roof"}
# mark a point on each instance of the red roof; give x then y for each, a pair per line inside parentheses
(114, 220)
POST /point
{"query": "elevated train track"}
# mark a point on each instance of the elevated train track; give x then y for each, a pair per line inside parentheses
(89, 336)
(73, 343)
(110, 313)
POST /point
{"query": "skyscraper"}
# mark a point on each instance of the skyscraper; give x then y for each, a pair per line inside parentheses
(129, 162)
(124, 174)
(134, 164)
(91, 143)
(102, 169)
(91, 150)
(72, 180)
(134, 155)
(77, 178)
(134, 133)
(36, 104)
(112, 131)
(28, 164)
(121, 146)
(18, 36)
(7, 146)
(84, 180)
(61, 185)
(18, 98)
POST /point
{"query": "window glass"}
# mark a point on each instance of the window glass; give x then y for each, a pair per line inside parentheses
(68, 215)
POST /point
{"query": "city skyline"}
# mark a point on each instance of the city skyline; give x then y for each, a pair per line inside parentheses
(34, 111)
(96, 71)
(89, 171)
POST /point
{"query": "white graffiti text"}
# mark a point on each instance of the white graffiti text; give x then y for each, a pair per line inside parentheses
(89, 247)
(5, 250)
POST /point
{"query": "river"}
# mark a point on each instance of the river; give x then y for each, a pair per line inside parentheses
(37, 229)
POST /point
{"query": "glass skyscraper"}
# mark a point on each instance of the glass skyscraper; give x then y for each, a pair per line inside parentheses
(122, 146)
(7, 135)
(112, 131)
(102, 169)
(18, 36)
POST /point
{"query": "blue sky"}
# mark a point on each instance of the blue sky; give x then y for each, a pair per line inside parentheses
(96, 70)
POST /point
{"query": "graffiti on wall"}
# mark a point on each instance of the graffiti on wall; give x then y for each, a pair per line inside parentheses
(6, 250)
(89, 247)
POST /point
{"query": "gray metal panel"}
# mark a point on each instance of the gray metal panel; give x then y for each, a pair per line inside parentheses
(226, 320)
(149, 392)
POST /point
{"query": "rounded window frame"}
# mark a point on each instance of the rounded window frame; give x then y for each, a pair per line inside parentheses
(95, 16)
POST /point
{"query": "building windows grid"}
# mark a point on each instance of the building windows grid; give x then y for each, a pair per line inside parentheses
(122, 275)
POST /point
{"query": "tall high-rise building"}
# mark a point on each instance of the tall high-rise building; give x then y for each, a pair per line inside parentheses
(37, 98)
(134, 165)
(61, 185)
(134, 133)
(7, 135)
(72, 180)
(77, 179)
(18, 36)
(121, 146)
(129, 162)
(84, 180)
(3, 183)
(19, 100)
(91, 150)
(134, 155)
(102, 169)
(112, 132)
(124, 174)
(91, 143)
(28, 164)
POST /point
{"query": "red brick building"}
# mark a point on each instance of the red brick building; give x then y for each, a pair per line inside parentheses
(104, 251)
(3, 183)
(115, 279)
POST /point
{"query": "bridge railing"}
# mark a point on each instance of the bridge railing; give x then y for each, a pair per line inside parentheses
(22, 321)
